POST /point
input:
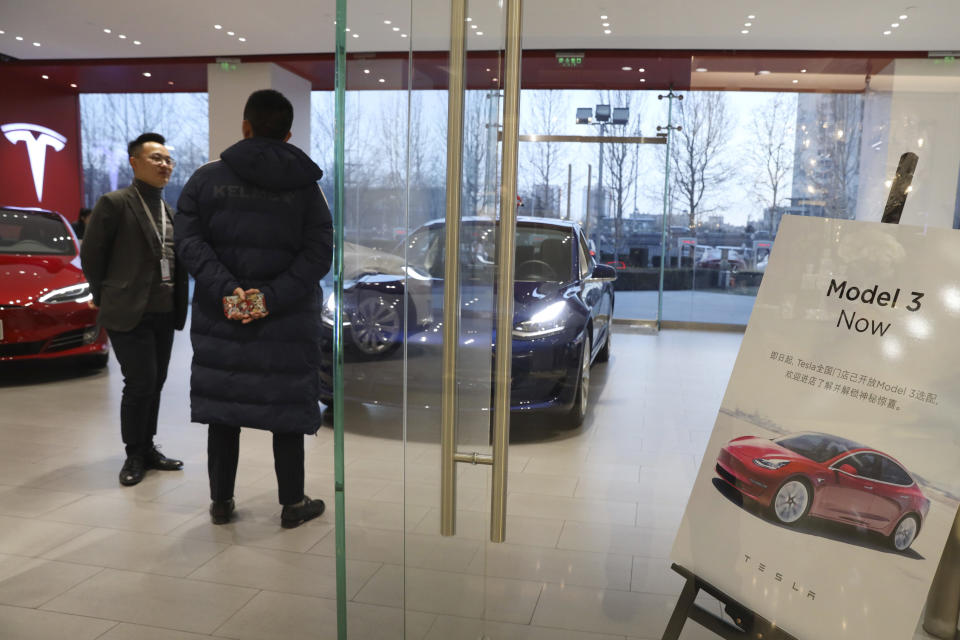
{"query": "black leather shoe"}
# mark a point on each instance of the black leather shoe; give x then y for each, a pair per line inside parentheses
(222, 512)
(156, 460)
(132, 471)
(294, 515)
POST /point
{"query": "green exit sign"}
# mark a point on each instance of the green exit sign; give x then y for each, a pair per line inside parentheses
(570, 59)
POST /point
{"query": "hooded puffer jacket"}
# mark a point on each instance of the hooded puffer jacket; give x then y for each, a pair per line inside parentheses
(256, 219)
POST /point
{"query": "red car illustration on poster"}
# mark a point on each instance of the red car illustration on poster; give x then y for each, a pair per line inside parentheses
(829, 477)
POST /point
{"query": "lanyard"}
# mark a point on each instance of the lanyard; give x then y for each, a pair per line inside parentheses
(162, 232)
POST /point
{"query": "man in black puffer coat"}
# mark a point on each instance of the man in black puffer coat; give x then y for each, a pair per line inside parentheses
(255, 221)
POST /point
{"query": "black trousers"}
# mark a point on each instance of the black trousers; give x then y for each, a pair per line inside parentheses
(223, 453)
(143, 354)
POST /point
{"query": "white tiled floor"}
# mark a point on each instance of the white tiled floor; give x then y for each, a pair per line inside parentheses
(592, 514)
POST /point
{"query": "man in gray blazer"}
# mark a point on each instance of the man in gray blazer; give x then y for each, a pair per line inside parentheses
(141, 291)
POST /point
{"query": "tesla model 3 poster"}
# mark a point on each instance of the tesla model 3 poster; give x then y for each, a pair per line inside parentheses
(830, 481)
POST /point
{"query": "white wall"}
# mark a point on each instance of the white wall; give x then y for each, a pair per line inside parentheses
(228, 90)
(924, 117)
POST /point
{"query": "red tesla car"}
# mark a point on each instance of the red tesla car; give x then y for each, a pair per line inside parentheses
(828, 477)
(43, 295)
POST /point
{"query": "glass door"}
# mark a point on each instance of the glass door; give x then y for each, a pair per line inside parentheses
(476, 336)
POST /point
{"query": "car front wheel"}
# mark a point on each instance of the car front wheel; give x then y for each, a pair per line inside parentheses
(791, 502)
(376, 326)
(905, 533)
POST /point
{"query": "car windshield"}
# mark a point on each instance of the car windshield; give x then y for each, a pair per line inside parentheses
(817, 446)
(543, 254)
(34, 233)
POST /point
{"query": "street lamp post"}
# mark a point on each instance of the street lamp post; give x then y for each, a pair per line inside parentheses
(602, 116)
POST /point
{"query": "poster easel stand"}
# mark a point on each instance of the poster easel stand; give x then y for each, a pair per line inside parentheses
(747, 624)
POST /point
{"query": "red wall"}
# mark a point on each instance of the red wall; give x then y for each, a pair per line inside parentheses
(40, 102)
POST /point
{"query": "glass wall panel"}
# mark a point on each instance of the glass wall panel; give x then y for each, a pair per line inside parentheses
(613, 189)
(764, 137)
(109, 121)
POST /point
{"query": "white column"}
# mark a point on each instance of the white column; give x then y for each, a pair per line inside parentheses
(924, 117)
(230, 84)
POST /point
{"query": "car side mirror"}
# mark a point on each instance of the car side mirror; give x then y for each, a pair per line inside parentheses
(848, 469)
(604, 273)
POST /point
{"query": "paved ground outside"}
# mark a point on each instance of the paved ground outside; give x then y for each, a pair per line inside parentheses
(685, 306)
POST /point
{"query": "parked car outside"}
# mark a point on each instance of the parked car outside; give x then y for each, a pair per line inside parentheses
(43, 295)
(562, 318)
(713, 259)
(829, 477)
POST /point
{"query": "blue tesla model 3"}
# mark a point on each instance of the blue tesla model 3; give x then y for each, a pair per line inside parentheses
(563, 305)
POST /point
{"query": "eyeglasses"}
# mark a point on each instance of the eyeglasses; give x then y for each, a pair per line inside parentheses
(158, 160)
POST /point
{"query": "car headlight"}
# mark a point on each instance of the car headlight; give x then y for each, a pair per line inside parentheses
(770, 463)
(73, 293)
(546, 322)
(329, 312)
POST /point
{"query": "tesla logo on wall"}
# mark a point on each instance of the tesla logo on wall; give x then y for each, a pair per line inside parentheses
(36, 147)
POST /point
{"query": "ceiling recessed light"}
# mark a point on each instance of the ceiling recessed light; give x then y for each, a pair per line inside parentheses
(803, 70)
(73, 84)
(603, 17)
(2, 32)
(488, 69)
(20, 38)
(643, 79)
(751, 17)
(606, 24)
(231, 33)
(387, 22)
(473, 26)
(45, 77)
(381, 80)
(403, 35)
(607, 31)
(137, 42)
(396, 28)
(701, 69)
(107, 31)
(122, 37)
(366, 70)
(641, 69)
(795, 81)
(748, 24)
(218, 26)
(170, 82)
(626, 68)
(745, 31)
(146, 74)
(494, 80)
(242, 39)
(347, 29)
(356, 35)
(895, 24)
(763, 72)
(479, 33)
(469, 19)
(36, 44)
(904, 16)
(887, 32)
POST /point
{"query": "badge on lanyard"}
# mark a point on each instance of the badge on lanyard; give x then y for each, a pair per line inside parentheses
(166, 263)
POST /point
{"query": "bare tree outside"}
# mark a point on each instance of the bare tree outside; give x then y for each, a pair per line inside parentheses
(544, 160)
(475, 125)
(771, 151)
(109, 121)
(621, 160)
(699, 166)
